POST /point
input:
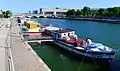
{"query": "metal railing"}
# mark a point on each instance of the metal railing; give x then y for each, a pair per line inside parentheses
(41, 38)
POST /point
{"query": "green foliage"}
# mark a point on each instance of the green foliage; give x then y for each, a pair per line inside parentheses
(71, 12)
(116, 11)
(68, 13)
(101, 12)
(110, 11)
(78, 13)
(93, 12)
(7, 14)
(86, 11)
(119, 14)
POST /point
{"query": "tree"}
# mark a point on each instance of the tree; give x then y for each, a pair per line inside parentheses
(68, 13)
(93, 12)
(116, 11)
(78, 13)
(106, 13)
(101, 12)
(110, 11)
(7, 13)
(71, 12)
(86, 11)
(119, 14)
(113, 11)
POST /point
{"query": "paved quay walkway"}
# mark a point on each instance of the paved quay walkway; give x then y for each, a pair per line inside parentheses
(3, 38)
(23, 58)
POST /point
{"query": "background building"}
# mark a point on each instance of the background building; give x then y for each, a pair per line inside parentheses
(1, 11)
(53, 11)
(29, 12)
(35, 11)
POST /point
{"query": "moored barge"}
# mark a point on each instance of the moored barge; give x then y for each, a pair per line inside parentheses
(67, 39)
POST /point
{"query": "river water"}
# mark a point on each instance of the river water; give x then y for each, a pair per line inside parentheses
(60, 60)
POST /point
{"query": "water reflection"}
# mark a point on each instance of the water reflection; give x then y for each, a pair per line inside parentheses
(68, 59)
(60, 60)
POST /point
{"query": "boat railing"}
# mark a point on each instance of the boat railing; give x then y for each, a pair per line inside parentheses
(41, 38)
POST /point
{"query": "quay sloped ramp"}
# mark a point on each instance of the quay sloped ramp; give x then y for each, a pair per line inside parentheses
(23, 58)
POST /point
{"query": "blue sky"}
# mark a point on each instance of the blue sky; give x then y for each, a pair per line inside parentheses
(26, 5)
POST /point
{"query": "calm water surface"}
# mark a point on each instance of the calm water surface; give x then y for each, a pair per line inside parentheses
(59, 60)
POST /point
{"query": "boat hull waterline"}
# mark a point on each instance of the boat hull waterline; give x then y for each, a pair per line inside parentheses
(105, 57)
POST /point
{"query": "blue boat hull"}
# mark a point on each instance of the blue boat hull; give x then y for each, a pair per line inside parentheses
(74, 52)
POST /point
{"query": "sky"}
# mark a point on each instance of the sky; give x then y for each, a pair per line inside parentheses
(18, 6)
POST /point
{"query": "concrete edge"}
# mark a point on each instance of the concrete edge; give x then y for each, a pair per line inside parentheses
(33, 52)
(37, 57)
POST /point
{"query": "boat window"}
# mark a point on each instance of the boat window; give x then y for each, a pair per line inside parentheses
(38, 26)
(72, 33)
(59, 36)
(68, 34)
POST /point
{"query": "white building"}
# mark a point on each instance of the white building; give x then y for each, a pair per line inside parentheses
(54, 11)
(1, 11)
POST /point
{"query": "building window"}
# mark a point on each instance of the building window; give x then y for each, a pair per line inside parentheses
(49, 12)
(63, 13)
(35, 12)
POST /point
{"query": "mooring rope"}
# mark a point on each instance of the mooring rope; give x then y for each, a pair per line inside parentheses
(95, 63)
(79, 67)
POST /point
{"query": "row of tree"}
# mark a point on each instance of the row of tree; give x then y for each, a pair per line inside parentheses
(6, 14)
(87, 11)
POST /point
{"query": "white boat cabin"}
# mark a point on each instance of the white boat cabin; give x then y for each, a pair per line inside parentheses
(64, 34)
(60, 33)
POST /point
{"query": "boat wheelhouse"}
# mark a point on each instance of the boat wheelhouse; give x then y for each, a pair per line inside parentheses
(32, 26)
